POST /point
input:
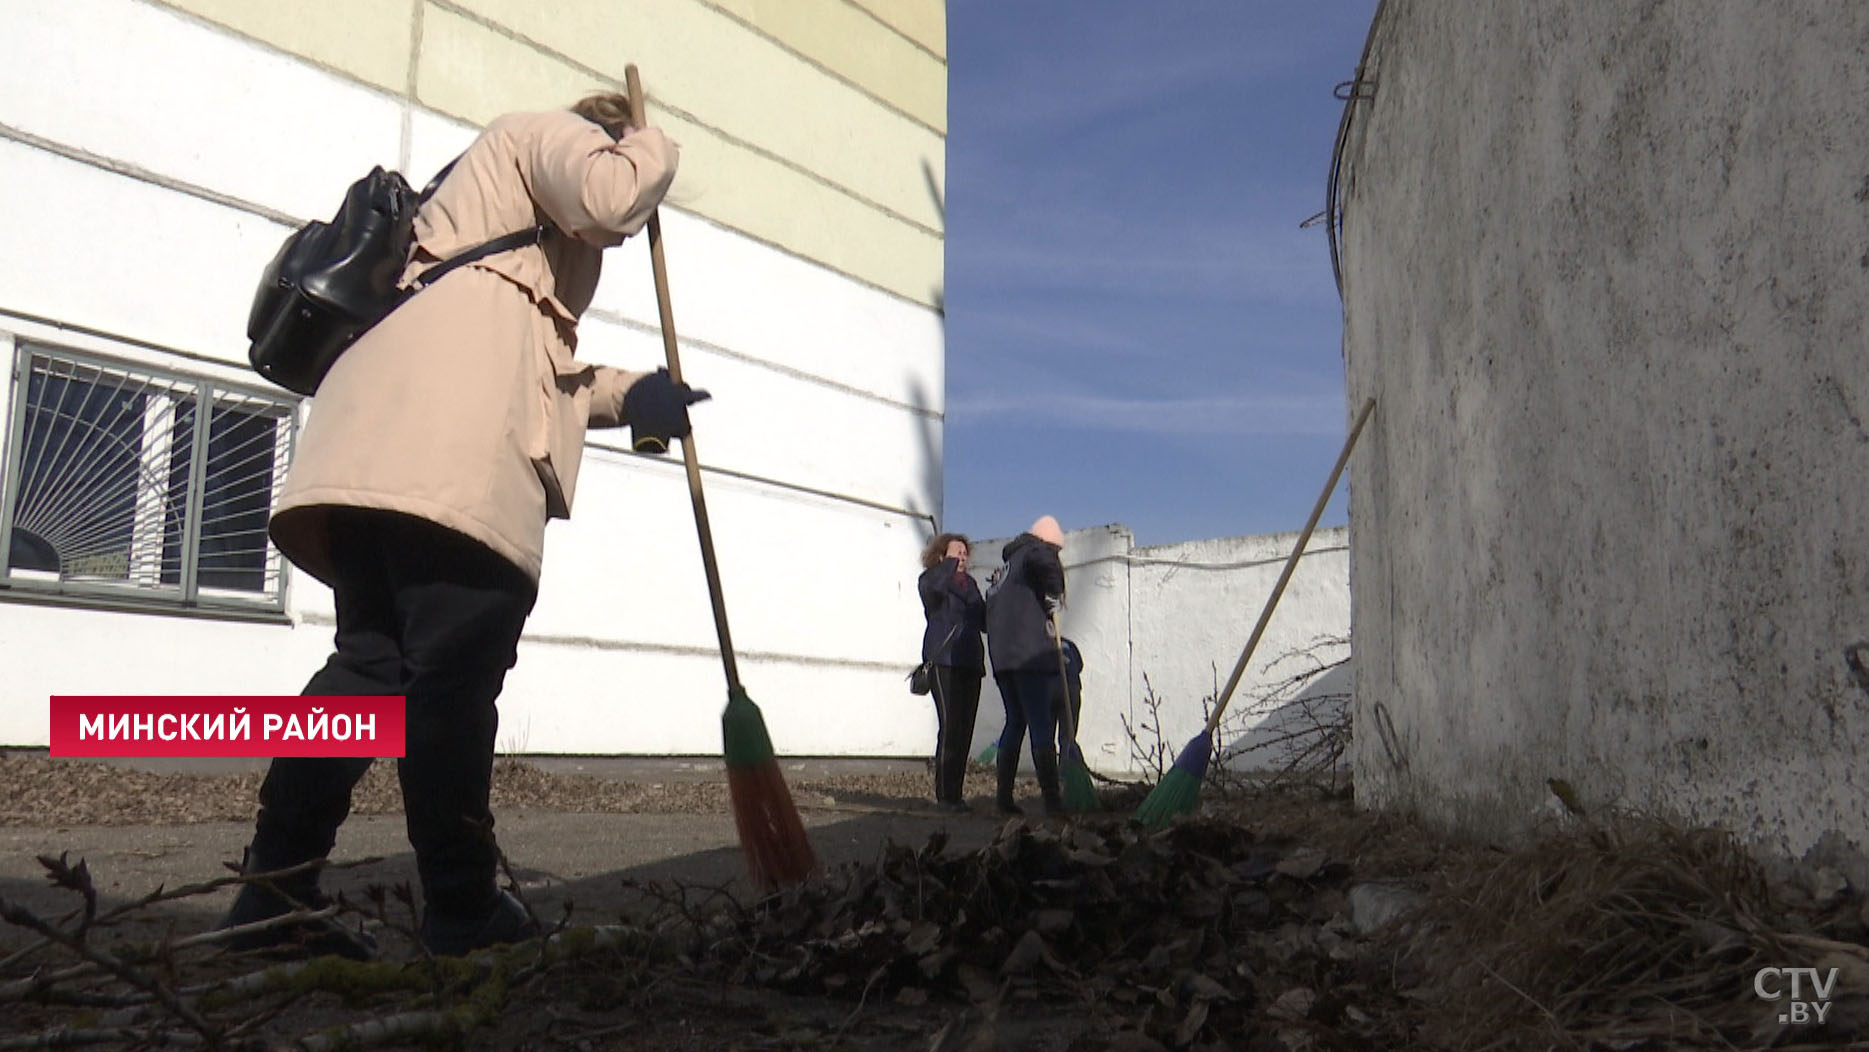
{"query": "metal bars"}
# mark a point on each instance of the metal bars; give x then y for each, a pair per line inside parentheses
(130, 483)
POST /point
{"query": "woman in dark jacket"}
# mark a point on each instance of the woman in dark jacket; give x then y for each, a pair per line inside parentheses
(1025, 656)
(956, 616)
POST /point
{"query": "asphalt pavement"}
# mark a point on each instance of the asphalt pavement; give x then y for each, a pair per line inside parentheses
(557, 858)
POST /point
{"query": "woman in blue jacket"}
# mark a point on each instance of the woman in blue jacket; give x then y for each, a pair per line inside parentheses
(956, 616)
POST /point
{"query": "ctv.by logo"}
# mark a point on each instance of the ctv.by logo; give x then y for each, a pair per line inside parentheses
(1769, 984)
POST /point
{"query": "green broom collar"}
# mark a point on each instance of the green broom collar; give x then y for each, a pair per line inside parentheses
(745, 742)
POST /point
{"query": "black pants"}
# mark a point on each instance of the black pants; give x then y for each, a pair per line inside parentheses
(957, 702)
(423, 612)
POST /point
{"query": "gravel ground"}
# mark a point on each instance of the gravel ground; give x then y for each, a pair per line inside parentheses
(36, 790)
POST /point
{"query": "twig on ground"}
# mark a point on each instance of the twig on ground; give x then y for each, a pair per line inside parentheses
(449, 1024)
(208, 938)
(78, 1037)
(20, 916)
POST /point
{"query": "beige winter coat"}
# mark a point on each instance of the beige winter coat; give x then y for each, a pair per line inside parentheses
(466, 405)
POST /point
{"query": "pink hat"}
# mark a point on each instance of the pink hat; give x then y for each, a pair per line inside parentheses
(1047, 529)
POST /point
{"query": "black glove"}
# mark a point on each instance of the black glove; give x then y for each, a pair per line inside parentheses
(657, 410)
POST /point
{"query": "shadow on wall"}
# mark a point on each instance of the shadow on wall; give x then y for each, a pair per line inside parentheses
(924, 487)
(927, 478)
(931, 422)
(1306, 734)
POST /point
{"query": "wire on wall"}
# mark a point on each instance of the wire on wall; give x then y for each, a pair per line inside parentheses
(1360, 88)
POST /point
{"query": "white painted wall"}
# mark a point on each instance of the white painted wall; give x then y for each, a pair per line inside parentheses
(1173, 619)
(1604, 268)
(150, 164)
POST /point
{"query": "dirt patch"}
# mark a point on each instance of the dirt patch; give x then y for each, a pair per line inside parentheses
(36, 790)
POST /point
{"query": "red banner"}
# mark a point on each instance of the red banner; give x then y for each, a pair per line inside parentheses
(212, 725)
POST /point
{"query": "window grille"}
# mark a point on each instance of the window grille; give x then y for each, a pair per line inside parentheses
(118, 487)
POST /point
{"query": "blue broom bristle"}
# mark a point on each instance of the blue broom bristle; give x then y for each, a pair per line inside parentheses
(1195, 755)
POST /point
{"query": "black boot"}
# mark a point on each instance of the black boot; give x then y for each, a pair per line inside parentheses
(303, 800)
(263, 901)
(1008, 774)
(1046, 763)
(503, 921)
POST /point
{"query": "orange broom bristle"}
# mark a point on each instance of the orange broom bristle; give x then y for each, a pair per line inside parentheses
(771, 833)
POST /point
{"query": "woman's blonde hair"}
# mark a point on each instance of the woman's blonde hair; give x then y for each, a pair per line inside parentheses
(608, 110)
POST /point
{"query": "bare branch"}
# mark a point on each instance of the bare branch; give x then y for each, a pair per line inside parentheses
(20, 916)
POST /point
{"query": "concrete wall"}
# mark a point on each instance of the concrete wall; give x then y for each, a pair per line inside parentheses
(1604, 267)
(1172, 620)
(153, 156)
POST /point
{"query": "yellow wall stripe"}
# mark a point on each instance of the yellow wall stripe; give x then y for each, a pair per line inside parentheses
(788, 135)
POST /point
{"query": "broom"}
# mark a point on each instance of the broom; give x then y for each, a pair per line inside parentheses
(771, 834)
(1180, 788)
(1080, 794)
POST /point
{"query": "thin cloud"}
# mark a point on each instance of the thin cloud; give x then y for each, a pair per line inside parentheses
(1070, 64)
(1245, 246)
(1048, 332)
(1234, 265)
(1234, 414)
(1070, 96)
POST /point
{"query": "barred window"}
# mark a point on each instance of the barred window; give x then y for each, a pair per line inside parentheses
(120, 487)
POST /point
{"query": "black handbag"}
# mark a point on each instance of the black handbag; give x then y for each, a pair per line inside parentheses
(921, 679)
(330, 282)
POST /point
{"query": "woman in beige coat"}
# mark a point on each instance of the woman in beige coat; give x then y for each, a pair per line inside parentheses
(437, 448)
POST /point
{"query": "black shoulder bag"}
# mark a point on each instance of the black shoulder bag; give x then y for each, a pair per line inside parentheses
(330, 282)
(921, 680)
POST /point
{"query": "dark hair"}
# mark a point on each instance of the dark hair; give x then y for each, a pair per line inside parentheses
(608, 110)
(937, 548)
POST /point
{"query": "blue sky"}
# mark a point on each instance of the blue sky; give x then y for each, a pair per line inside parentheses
(1138, 332)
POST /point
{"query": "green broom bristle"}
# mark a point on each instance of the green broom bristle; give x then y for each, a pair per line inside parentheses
(1180, 789)
(1176, 794)
(988, 756)
(771, 833)
(1080, 793)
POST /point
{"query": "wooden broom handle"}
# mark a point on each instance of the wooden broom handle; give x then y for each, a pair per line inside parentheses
(659, 261)
(1291, 564)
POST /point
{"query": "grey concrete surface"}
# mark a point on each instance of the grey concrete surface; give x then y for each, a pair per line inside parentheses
(1604, 272)
(582, 859)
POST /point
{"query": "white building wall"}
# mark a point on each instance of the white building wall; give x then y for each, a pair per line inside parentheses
(1172, 620)
(151, 163)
